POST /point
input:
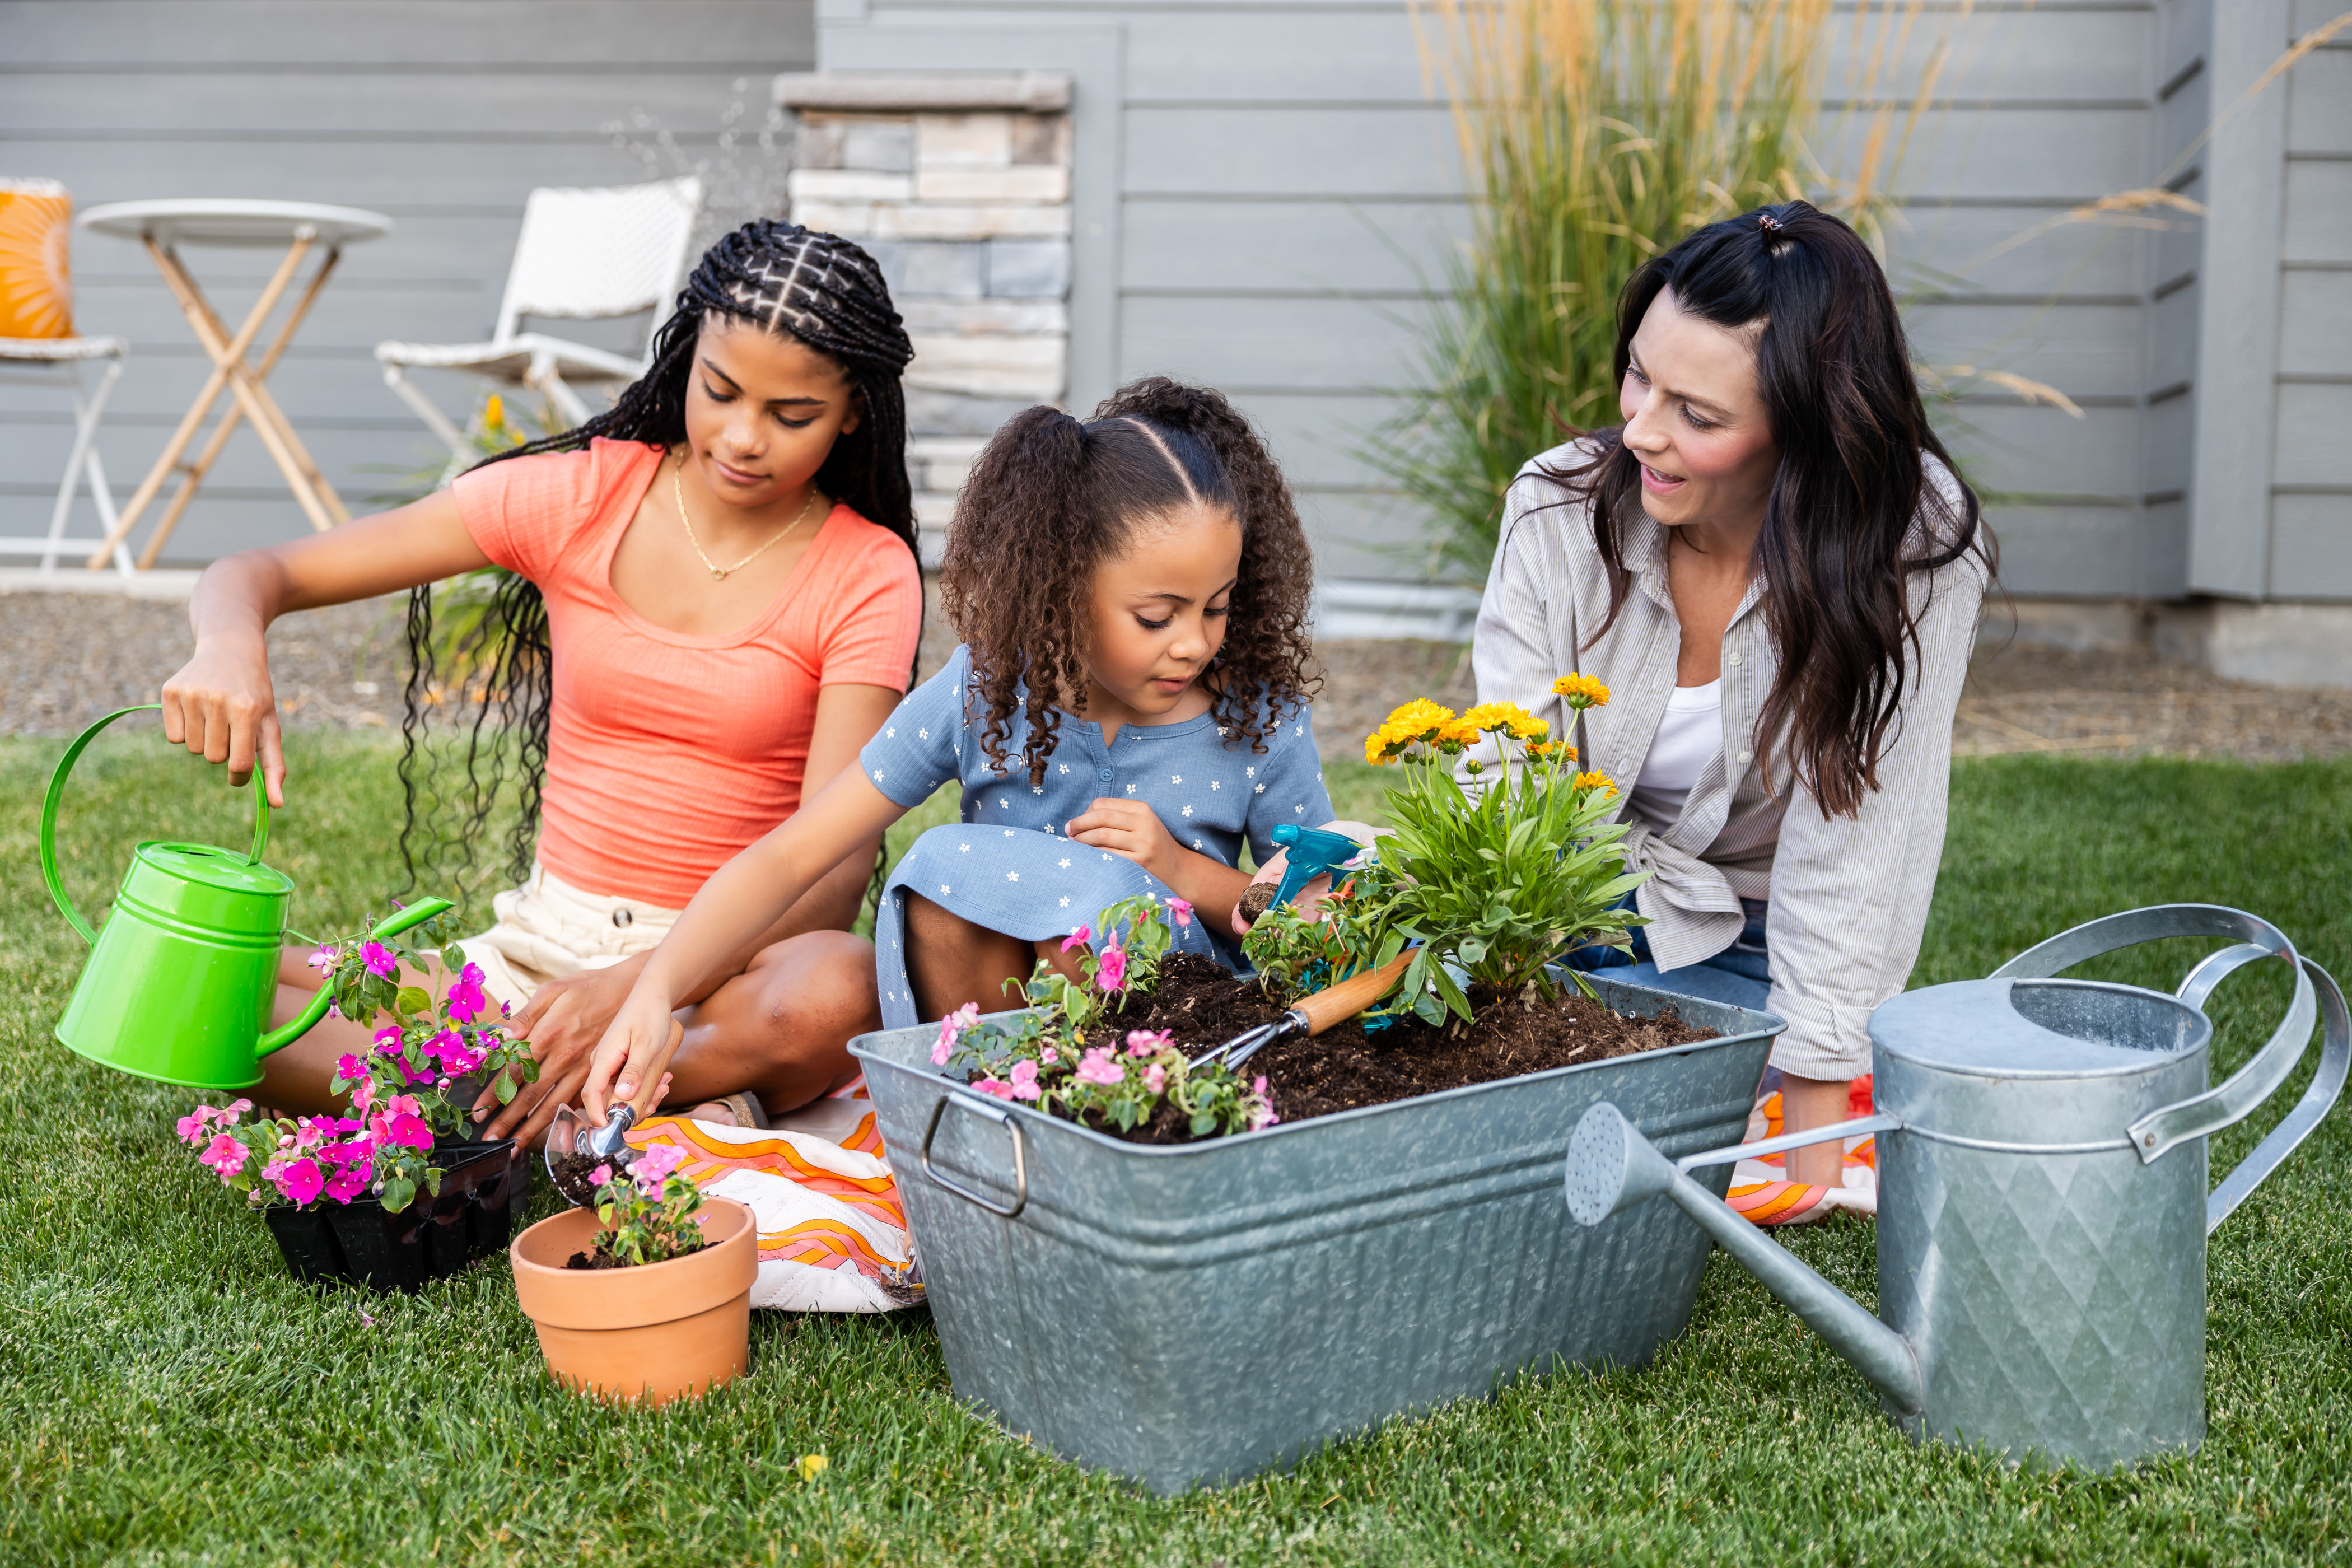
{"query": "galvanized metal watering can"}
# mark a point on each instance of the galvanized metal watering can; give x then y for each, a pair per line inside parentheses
(181, 978)
(2042, 1200)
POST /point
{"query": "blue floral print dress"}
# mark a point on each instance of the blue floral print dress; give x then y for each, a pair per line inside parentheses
(1008, 867)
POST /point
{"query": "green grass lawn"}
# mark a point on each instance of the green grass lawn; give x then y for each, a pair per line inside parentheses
(168, 1394)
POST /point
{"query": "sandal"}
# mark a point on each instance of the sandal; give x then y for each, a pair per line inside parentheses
(744, 1107)
(1760, 1191)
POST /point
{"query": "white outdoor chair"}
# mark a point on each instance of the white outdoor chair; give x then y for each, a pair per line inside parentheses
(51, 361)
(583, 255)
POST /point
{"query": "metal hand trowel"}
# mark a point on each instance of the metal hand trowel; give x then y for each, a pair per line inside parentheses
(574, 1149)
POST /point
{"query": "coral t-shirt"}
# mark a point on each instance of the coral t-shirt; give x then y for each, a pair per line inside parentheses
(667, 753)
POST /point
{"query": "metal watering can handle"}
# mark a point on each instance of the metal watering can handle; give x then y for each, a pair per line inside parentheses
(2216, 1108)
(56, 793)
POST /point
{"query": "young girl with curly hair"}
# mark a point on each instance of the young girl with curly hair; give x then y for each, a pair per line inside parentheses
(1129, 705)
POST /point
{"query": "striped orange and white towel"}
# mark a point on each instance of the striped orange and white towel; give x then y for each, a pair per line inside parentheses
(1760, 1188)
(832, 1236)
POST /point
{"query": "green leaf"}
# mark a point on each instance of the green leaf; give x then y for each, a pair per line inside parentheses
(409, 999)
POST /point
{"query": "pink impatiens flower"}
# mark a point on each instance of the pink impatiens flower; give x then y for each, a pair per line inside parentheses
(195, 1124)
(297, 1181)
(1098, 1068)
(1155, 1078)
(653, 1165)
(951, 1028)
(1149, 1042)
(1180, 911)
(466, 1001)
(398, 1123)
(224, 1155)
(1111, 971)
(380, 961)
(600, 1176)
(458, 1057)
(996, 1086)
(1025, 1080)
(1078, 938)
(322, 958)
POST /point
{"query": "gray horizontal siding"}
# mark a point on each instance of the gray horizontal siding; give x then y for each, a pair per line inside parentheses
(442, 115)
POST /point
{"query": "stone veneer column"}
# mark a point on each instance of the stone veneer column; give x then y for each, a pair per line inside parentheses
(959, 184)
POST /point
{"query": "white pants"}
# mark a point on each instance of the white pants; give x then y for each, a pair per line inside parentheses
(547, 929)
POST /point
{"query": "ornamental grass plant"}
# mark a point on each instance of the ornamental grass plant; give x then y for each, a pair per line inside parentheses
(1594, 133)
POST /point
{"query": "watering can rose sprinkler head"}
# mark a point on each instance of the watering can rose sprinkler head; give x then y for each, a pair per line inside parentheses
(181, 977)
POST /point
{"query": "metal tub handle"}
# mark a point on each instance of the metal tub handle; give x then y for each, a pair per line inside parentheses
(1020, 1155)
(2162, 1130)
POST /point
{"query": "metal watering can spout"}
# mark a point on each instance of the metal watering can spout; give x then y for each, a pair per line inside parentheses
(180, 979)
(1613, 1168)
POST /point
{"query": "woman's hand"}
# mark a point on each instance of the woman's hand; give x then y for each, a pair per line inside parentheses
(222, 708)
(1130, 828)
(633, 1057)
(564, 1020)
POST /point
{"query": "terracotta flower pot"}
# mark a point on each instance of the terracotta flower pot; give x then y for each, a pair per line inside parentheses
(660, 1332)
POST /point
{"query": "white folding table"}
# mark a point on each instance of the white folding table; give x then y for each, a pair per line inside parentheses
(163, 227)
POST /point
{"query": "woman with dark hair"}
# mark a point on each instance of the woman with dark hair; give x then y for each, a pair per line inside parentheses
(714, 603)
(1773, 567)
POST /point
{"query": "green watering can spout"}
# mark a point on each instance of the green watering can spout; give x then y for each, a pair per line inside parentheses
(181, 977)
(294, 1028)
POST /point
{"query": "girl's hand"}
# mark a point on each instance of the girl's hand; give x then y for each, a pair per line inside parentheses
(222, 708)
(632, 1060)
(563, 1021)
(1130, 828)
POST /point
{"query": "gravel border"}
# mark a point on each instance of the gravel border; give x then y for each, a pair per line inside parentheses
(69, 658)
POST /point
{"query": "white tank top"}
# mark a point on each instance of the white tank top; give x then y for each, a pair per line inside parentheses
(1689, 737)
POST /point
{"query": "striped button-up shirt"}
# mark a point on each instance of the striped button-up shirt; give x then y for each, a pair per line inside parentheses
(1848, 895)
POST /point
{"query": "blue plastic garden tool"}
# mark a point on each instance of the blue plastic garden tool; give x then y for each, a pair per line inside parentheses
(1313, 851)
(2041, 1202)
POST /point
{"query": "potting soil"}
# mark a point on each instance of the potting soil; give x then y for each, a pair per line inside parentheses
(1348, 1067)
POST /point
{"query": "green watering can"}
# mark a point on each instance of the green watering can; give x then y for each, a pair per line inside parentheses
(179, 986)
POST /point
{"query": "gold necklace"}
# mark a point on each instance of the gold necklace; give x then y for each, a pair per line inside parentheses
(718, 572)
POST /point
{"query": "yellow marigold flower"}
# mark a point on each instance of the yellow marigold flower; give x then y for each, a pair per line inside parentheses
(1542, 751)
(1509, 717)
(1376, 746)
(494, 413)
(1594, 781)
(1582, 691)
(1418, 720)
(1458, 732)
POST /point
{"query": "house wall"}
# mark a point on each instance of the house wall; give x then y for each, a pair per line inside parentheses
(441, 114)
(1266, 195)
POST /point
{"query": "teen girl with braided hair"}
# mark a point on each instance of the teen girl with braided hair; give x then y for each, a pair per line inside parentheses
(715, 603)
(1129, 704)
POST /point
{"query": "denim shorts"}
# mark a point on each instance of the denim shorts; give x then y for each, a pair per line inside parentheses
(1738, 974)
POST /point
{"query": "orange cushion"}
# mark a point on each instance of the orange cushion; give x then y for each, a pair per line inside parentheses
(35, 289)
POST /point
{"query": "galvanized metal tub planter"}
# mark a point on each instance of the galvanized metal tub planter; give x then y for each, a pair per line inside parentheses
(1199, 1312)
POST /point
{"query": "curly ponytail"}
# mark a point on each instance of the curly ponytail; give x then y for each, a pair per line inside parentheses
(1052, 498)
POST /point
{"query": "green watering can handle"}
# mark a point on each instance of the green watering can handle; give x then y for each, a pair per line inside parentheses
(56, 793)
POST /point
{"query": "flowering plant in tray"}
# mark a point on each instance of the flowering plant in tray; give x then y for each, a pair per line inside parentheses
(411, 1087)
(1043, 1058)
